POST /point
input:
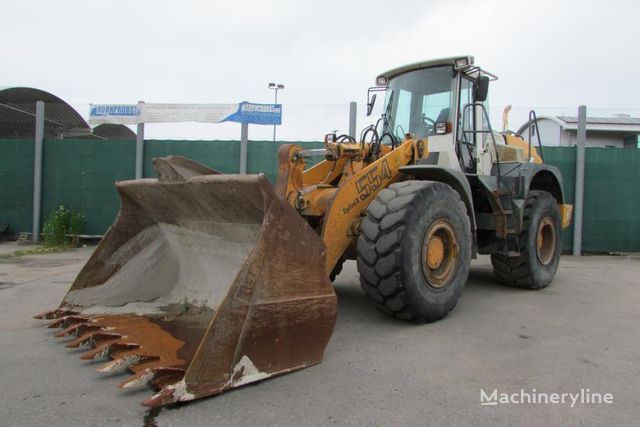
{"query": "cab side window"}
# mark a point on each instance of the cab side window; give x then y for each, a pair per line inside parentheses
(465, 122)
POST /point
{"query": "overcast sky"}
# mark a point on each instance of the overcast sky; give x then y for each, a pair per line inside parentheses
(549, 55)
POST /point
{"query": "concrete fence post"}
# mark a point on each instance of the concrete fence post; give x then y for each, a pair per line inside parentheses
(37, 171)
(353, 112)
(244, 140)
(139, 146)
(579, 196)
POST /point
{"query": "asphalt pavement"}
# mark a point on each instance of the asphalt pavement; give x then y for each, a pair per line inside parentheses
(581, 333)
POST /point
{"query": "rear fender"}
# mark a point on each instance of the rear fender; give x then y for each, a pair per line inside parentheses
(548, 178)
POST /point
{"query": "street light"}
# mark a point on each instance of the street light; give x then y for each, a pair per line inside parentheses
(276, 87)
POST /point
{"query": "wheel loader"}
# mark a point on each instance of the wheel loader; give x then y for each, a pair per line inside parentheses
(210, 281)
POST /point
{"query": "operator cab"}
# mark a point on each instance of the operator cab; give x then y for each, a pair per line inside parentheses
(441, 100)
(418, 102)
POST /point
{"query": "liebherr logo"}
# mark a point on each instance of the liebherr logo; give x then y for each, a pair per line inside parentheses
(581, 397)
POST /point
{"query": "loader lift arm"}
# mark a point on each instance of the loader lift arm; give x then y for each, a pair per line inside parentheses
(341, 206)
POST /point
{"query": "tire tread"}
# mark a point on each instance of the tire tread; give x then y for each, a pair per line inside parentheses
(379, 247)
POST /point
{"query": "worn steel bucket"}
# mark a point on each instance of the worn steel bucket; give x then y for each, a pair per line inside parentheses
(203, 283)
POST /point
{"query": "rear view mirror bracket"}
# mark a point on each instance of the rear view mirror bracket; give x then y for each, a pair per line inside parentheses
(371, 97)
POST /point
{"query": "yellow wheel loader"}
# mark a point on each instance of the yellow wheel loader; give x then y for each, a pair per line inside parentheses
(209, 281)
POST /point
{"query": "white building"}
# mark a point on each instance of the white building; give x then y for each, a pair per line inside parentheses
(617, 131)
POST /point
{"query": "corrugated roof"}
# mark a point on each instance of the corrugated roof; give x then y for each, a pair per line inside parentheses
(603, 120)
(18, 109)
(626, 125)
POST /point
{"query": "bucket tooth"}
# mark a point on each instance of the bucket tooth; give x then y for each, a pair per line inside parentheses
(53, 314)
(49, 314)
(77, 329)
(166, 376)
(152, 376)
(161, 398)
(124, 361)
(92, 339)
(102, 351)
(139, 380)
(65, 321)
(172, 393)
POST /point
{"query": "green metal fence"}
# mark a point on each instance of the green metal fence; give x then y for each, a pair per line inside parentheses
(611, 218)
(223, 156)
(16, 183)
(80, 174)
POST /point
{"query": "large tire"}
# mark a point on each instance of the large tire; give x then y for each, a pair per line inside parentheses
(540, 245)
(399, 260)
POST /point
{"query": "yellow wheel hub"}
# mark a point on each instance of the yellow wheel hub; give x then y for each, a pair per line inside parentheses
(435, 252)
(546, 241)
(439, 253)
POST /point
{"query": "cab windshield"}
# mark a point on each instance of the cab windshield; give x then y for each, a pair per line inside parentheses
(417, 100)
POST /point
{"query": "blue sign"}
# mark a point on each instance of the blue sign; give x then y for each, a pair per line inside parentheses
(113, 110)
(258, 114)
(114, 113)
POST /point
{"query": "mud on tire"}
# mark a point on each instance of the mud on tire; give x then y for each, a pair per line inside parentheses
(393, 254)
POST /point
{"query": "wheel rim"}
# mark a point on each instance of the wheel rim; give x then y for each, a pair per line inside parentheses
(546, 241)
(439, 253)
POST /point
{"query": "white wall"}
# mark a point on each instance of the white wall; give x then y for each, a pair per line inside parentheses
(550, 133)
(597, 139)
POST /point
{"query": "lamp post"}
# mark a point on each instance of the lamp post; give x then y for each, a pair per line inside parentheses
(276, 87)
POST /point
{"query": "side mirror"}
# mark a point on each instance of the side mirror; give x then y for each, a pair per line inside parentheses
(481, 89)
(370, 104)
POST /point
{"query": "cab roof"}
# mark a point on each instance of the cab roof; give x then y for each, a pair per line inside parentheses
(458, 62)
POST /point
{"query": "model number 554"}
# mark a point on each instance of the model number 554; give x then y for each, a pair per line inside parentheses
(372, 180)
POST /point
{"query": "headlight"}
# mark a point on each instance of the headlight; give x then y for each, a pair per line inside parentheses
(441, 128)
(463, 62)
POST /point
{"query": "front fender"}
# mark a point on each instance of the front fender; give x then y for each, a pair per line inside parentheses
(452, 177)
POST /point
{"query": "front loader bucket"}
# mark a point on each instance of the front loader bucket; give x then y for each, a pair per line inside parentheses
(202, 284)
